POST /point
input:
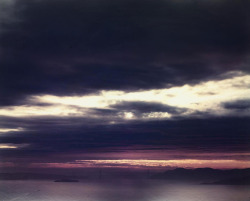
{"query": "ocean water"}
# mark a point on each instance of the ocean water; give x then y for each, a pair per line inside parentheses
(120, 190)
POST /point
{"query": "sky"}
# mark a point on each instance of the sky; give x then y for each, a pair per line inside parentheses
(124, 84)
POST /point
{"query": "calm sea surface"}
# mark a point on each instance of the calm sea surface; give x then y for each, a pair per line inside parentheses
(124, 190)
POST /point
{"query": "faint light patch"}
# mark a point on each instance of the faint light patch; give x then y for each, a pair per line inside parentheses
(8, 146)
(6, 130)
(6, 164)
(12, 146)
(128, 115)
(7, 13)
(60, 165)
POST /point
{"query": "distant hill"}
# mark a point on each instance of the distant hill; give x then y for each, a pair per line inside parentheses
(233, 181)
(201, 174)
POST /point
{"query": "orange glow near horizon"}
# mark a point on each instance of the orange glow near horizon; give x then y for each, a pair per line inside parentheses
(139, 163)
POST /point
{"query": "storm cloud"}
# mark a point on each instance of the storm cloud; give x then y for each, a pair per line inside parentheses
(106, 76)
(77, 47)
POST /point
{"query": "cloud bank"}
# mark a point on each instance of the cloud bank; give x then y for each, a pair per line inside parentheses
(87, 76)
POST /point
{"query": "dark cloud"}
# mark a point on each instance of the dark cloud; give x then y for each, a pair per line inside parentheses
(72, 47)
(238, 105)
(144, 107)
(77, 47)
(48, 136)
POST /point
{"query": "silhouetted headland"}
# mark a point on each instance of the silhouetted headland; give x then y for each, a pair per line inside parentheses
(232, 181)
(201, 174)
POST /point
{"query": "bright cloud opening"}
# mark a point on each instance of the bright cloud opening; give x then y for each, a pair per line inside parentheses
(205, 97)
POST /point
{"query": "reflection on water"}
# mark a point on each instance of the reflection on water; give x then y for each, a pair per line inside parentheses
(122, 190)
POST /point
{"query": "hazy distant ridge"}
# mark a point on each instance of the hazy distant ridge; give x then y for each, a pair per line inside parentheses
(201, 174)
(233, 181)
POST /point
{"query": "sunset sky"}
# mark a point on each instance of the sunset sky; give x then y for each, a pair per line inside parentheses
(124, 84)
